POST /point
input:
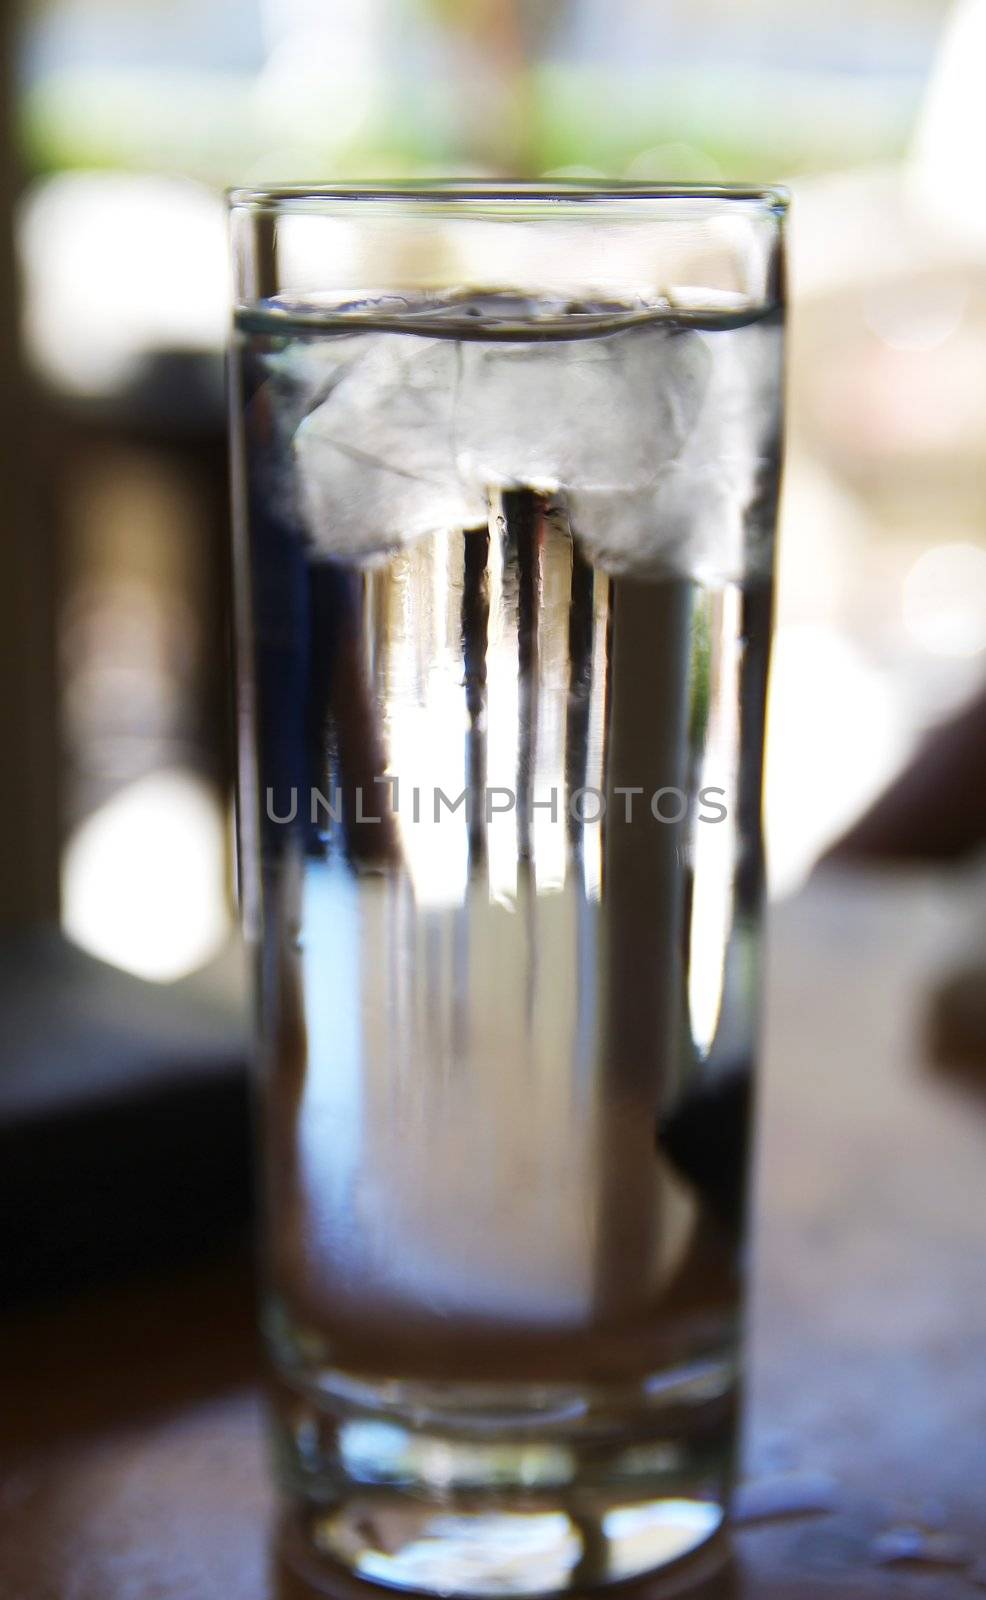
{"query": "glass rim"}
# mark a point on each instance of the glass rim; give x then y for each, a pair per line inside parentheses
(497, 194)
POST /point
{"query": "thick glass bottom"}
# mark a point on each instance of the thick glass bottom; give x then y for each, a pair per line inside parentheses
(469, 1490)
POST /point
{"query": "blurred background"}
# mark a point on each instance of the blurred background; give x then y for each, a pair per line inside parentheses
(130, 119)
(122, 1034)
(126, 121)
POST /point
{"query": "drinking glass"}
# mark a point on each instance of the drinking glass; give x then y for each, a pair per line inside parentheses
(505, 474)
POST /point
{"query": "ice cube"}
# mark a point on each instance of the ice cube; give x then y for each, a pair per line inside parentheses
(302, 373)
(597, 413)
(298, 376)
(691, 520)
(375, 458)
(695, 515)
(657, 435)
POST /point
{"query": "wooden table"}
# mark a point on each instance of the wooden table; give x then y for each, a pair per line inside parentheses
(133, 1463)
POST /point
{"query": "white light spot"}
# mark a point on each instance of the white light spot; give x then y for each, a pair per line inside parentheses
(915, 316)
(836, 737)
(944, 600)
(143, 882)
(117, 266)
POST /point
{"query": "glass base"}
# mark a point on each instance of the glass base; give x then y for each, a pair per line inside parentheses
(467, 1490)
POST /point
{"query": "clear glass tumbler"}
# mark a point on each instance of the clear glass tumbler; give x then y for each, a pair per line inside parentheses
(505, 469)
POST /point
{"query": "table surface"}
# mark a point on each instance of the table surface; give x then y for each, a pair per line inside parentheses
(133, 1465)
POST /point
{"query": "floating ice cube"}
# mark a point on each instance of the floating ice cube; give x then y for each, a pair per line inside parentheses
(595, 413)
(690, 520)
(696, 515)
(375, 458)
(656, 435)
(299, 374)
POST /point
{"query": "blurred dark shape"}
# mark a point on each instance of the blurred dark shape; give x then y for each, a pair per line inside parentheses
(28, 744)
(123, 1117)
(956, 1026)
(475, 616)
(707, 1138)
(522, 514)
(936, 809)
(172, 395)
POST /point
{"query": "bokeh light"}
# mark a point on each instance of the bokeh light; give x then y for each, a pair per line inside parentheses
(143, 885)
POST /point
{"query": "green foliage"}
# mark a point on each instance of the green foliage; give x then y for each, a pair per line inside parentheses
(643, 123)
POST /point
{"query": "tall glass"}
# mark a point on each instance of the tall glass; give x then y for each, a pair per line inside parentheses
(505, 479)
